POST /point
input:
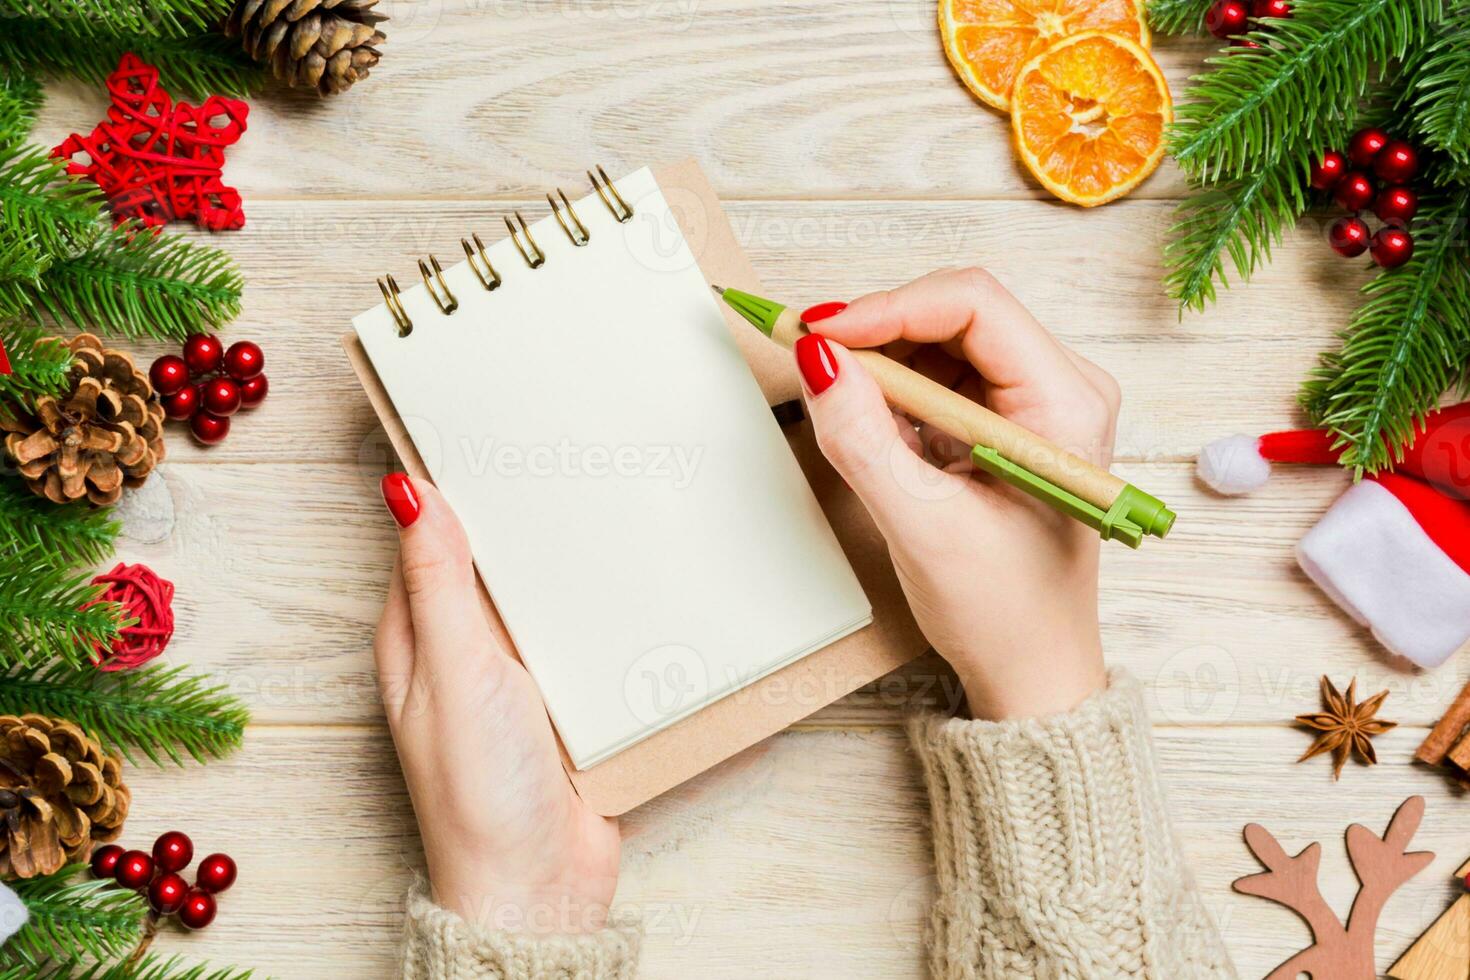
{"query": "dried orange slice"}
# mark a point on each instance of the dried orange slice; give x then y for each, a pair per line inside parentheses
(988, 41)
(1089, 114)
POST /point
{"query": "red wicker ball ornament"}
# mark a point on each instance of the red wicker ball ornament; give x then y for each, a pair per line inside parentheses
(216, 873)
(203, 353)
(1398, 204)
(145, 598)
(244, 360)
(209, 428)
(1329, 170)
(173, 851)
(134, 870)
(104, 860)
(253, 392)
(1227, 18)
(1348, 236)
(182, 404)
(169, 374)
(1354, 192)
(198, 909)
(166, 893)
(221, 397)
(1365, 145)
(1397, 163)
(1392, 247)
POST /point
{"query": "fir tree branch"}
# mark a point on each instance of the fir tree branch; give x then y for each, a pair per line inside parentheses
(142, 285)
(1178, 16)
(20, 98)
(65, 535)
(150, 967)
(191, 67)
(1438, 92)
(38, 203)
(1242, 218)
(72, 920)
(153, 710)
(1405, 346)
(39, 366)
(41, 607)
(103, 18)
(1298, 87)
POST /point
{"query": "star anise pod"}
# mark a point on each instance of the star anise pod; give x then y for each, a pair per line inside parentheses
(1345, 726)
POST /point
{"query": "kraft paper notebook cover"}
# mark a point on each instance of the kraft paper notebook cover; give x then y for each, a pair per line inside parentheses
(670, 615)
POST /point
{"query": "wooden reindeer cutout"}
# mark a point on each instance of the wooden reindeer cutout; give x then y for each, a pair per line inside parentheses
(1382, 864)
(1443, 952)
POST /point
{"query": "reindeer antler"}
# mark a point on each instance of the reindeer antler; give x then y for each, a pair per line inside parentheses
(1382, 865)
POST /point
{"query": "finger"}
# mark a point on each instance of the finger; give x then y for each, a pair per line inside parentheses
(393, 645)
(968, 307)
(861, 438)
(438, 576)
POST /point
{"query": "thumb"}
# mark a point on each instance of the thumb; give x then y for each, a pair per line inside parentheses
(438, 574)
(860, 437)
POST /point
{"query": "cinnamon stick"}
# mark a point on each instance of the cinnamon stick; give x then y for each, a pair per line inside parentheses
(1446, 733)
(1459, 754)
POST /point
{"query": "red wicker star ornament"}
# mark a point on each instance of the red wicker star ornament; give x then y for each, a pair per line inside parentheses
(158, 160)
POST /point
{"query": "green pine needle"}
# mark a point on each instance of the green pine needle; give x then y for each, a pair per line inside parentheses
(139, 284)
(189, 67)
(20, 99)
(41, 607)
(150, 967)
(72, 919)
(100, 18)
(1178, 16)
(39, 365)
(1240, 218)
(38, 203)
(155, 711)
(1439, 88)
(1405, 346)
(1294, 92)
(66, 535)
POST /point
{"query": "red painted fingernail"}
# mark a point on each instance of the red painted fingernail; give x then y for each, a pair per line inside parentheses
(818, 366)
(821, 311)
(402, 501)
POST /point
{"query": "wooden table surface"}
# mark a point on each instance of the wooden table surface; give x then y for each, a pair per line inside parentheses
(848, 157)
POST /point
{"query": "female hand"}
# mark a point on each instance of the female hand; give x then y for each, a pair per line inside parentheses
(1004, 587)
(509, 843)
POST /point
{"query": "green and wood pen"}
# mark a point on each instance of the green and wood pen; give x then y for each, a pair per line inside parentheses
(1118, 510)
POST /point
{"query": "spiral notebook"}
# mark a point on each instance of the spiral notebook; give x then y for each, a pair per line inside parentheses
(632, 504)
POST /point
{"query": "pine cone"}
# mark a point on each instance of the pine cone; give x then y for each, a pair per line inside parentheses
(106, 433)
(321, 44)
(59, 795)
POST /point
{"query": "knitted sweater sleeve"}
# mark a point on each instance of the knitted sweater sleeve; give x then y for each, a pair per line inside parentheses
(440, 945)
(1053, 850)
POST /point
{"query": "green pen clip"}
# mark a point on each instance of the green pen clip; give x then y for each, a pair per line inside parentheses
(1132, 515)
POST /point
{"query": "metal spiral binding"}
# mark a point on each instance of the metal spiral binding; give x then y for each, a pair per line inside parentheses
(479, 258)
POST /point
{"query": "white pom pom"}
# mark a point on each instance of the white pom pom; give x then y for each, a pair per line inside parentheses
(1233, 465)
(13, 913)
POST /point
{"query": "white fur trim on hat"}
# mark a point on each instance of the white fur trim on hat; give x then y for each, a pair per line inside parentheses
(13, 913)
(1233, 465)
(1370, 555)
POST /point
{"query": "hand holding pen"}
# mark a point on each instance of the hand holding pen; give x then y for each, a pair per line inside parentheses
(1003, 585)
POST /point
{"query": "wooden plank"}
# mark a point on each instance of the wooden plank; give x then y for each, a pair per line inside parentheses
(281, 570)
(478, 100)
(310, 266)
(808, 855)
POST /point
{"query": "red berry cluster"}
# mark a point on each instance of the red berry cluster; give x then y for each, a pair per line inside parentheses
(1230, 19)
(209, 384)
(168, 892)
(1350, 179)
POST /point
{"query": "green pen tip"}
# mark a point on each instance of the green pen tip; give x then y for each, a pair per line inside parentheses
(718, 289)
(762, 313)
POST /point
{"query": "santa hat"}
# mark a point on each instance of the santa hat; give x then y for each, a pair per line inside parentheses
(1394, 550)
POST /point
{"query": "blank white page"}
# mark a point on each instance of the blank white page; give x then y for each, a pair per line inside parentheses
(632, 505)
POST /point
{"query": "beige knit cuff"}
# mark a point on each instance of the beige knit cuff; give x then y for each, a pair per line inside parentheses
(440, 945)
(1053, 850)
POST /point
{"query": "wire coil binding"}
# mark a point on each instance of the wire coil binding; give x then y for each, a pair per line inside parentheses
(478, 257)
